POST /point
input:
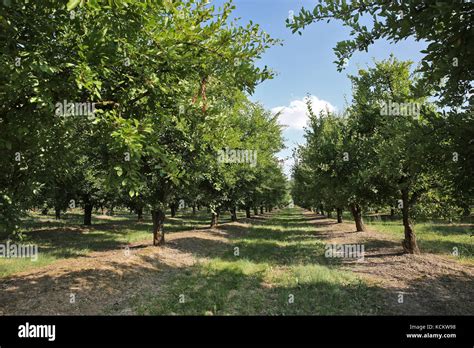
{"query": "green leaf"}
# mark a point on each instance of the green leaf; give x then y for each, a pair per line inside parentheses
(72, 4)
(119, 170)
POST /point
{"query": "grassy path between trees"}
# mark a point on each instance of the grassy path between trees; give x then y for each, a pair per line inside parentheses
(272, 265)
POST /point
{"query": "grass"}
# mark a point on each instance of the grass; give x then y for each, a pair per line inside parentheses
(435, 237)
(280, 268)
(279, 262)
(68, 238)
(243, 287)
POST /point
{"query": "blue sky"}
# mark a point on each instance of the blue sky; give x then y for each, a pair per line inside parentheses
(304, 64)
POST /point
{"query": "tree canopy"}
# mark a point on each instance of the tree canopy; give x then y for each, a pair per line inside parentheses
(446, 27)
(102, 99)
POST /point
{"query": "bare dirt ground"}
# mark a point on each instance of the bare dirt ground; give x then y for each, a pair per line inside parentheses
(103, 282)
(430, 284)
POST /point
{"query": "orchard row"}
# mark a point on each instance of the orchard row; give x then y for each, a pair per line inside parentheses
(419, 164)
(136, 104)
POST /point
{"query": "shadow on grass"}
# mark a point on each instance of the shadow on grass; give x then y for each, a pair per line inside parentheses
(96, 290)
(235, 289)
(262, 232)
(443, 295)
(450, 230)
(259, 244)
(68, 238)
(244, 285)
(447, 247)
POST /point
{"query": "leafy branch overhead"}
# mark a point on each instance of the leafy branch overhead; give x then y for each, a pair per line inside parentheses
(445, 26)
(161, 87)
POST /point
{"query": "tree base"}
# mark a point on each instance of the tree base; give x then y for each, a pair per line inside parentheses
(410, 247)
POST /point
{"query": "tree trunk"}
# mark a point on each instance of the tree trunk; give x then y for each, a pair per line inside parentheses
(466, 210)
(233, 214)
(339, 215)
(57, 213)
(140, 214)
(255, 211)
(247, 212)
(409, 243)
(392, 212)
(173, 209)
(158, 217)
(261, 209)
(88, 213)
(44, 211)
(194, 209)
(357, 214)
(214, 219)
(329, 214)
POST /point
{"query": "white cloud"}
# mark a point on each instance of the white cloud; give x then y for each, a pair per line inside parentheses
(295, 115)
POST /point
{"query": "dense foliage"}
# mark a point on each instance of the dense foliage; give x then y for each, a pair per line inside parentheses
(391, 148)
(128, 103)
(446, 26)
